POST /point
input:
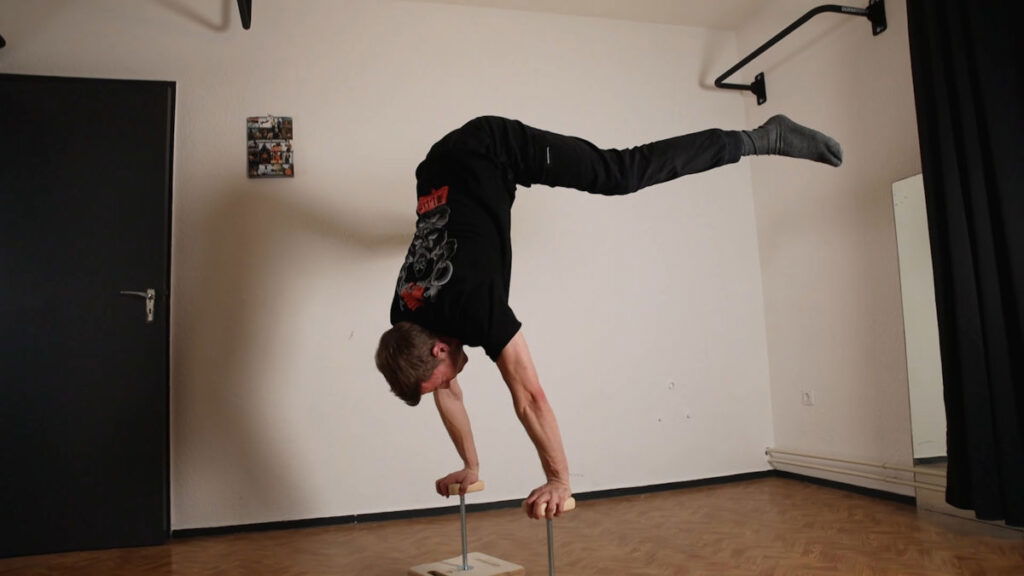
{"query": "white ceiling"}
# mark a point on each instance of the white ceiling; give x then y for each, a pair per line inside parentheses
(718, 14)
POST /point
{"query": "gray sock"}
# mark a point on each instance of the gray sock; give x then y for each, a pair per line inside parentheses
(781, 136)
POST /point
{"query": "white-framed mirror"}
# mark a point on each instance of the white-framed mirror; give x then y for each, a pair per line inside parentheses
(924, 364)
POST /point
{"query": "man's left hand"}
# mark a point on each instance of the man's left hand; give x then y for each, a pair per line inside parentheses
(553, 495)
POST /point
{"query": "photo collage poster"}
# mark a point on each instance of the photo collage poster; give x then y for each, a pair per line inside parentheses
(271, 154)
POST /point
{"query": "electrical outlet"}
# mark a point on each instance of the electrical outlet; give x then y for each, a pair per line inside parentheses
(807, 398)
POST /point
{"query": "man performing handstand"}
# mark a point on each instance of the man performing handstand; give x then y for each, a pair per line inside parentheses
(453, 287)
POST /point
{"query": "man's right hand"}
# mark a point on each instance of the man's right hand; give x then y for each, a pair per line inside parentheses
(463, 477)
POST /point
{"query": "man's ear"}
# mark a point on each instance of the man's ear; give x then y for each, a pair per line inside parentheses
(439, 348)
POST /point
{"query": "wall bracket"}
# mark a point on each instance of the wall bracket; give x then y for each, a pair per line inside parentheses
(875, 13)
(245, 10)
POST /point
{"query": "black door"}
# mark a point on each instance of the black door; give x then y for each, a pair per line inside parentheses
(85, 199)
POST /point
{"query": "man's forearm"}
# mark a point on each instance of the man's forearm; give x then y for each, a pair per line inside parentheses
(456, 422)
(541, 425)
(533, 409)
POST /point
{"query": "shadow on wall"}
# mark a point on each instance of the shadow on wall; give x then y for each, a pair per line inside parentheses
(232, 425)
(190, 13)
(28, 22)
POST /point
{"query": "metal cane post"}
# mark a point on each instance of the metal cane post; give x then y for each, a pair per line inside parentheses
(569, 505)
(551, 548)
(462, 512)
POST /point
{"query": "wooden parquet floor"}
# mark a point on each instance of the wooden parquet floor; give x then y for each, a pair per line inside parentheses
(769, 526)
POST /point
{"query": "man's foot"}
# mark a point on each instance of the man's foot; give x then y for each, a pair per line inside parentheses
(781, 136)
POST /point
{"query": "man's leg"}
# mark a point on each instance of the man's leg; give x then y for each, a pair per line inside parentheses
(536, 156)
(577, 163)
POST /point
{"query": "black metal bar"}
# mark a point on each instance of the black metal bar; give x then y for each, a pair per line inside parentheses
(875, 12)
(245, 9)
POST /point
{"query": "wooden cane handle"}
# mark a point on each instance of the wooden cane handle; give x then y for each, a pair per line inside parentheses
(453, 489)
(568, 506)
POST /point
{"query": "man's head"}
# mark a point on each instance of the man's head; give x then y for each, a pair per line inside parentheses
(415, 361)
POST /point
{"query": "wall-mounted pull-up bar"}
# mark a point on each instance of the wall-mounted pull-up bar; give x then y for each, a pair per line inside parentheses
(875, 12)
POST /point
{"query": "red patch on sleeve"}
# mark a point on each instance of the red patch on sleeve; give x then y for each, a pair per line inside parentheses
(436, 198)
(412, 295)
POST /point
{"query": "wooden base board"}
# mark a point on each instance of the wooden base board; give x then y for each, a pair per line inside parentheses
(480, 564)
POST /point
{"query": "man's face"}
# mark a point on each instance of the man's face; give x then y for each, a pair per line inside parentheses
(453, 360)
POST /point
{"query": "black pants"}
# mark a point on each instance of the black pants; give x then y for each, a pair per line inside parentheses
(533, 156)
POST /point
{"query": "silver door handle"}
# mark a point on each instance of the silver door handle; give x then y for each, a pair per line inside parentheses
(150, 296)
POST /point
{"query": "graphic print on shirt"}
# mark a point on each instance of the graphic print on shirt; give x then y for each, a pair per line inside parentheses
(427, 266)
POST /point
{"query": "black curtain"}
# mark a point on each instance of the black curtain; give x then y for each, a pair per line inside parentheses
(966, 58)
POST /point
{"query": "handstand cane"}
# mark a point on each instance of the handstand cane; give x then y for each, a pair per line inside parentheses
(453, 489)
(569, 505)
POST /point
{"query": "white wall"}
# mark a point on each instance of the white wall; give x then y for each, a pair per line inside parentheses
(920, 320)
(827, 239)
(645, 314)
